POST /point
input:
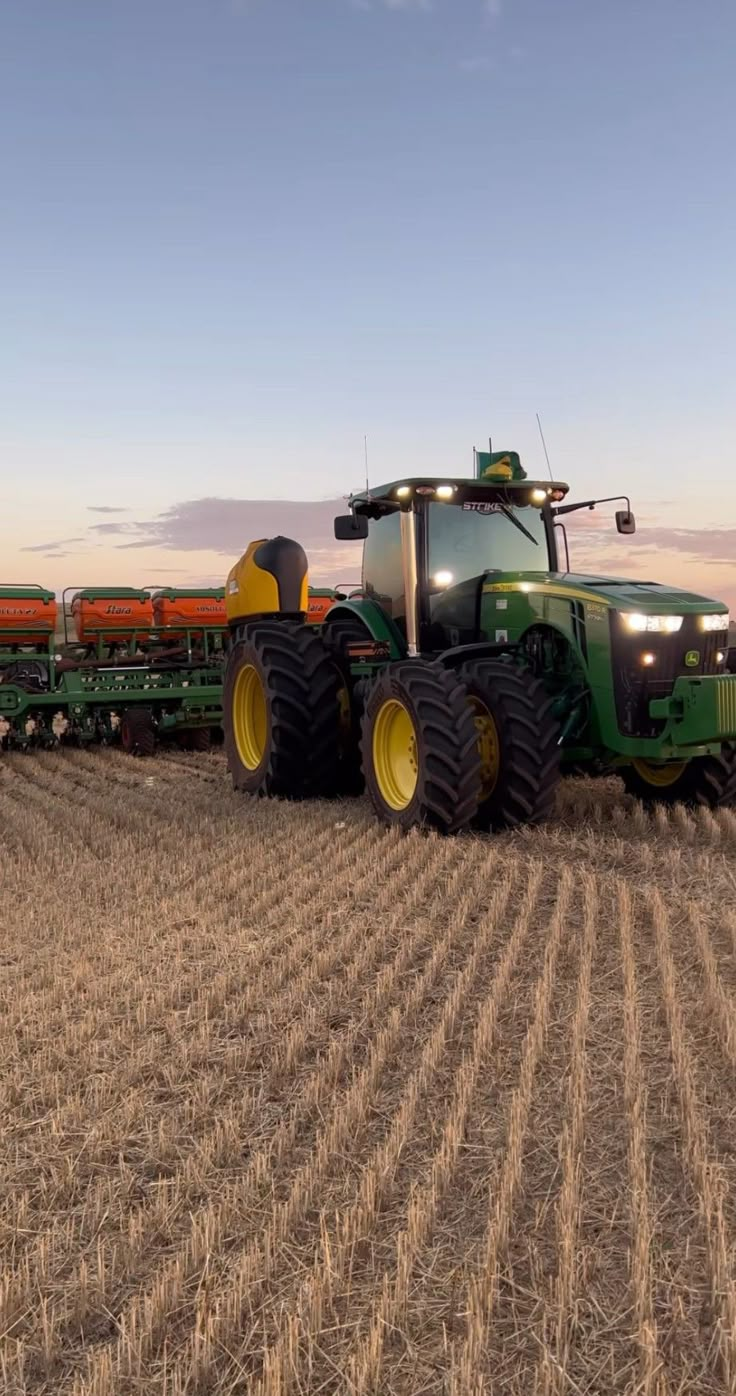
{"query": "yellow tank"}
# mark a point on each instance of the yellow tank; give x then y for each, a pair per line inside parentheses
(270, 579)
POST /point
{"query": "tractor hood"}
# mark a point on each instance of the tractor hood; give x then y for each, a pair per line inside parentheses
(622, 594)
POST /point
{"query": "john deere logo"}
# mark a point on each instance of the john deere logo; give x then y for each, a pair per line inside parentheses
(692, 659)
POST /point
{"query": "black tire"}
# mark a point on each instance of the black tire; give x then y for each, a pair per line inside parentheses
(137, 732)
(446, 758)
(323, 751)
(527, 771)
(201, 739)
(194, 739)
(298, 682)
(706, 780)
(337, 635)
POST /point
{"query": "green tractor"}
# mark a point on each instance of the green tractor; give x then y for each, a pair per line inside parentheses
(474, 669)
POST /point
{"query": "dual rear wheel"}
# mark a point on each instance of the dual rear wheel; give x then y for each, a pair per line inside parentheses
(436, 748)
(451, 749)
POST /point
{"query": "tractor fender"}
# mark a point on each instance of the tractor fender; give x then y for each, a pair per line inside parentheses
(484, 649)
(379, 626)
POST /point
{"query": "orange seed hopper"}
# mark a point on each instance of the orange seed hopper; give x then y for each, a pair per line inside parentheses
(182, 609)
(111, 614)
(27, 615)
(320, 602)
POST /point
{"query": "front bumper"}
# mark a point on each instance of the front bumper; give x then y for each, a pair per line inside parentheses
(698, 711)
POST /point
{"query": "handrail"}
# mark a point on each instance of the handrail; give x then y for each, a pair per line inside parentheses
(28, 586)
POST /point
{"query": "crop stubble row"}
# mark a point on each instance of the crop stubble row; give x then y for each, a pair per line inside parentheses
(293, 1105)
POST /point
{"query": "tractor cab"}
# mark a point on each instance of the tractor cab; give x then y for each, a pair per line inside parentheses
(432, 544)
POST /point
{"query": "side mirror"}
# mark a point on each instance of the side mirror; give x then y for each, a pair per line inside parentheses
(625, 521)
(349, 527)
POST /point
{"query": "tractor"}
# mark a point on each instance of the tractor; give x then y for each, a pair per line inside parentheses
(474, 668)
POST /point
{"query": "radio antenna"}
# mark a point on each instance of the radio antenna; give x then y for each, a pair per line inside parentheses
(365, 453)
(544, 447)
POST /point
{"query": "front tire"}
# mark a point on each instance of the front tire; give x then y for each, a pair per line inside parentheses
(518, 742)
(419, 750)
(705, 780)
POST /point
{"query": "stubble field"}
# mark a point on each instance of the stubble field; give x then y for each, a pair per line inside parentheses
(292, 1105)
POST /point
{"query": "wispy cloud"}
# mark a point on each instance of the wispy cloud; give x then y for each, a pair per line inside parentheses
(226, 526)
(716, 546)
(105, 509)
(51, 549)
(103, 528)
(492, 8)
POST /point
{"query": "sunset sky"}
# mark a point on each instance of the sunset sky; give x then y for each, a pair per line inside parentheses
(239, 234)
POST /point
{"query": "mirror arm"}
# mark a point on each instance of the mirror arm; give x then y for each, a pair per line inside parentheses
(591, 503)
(563, 531)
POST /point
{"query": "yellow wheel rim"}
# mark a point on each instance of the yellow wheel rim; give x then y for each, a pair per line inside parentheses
(488, 747)
(395, 754)
(250, 719)
(660, 774)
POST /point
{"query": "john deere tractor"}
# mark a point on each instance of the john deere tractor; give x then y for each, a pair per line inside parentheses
(473, 668)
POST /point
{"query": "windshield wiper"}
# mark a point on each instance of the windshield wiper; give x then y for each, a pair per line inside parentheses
(518, 524)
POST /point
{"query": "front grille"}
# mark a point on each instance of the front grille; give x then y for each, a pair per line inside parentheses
(727, 705)
(635, 685)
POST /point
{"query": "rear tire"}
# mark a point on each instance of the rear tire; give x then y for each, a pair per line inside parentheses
(518, 739)
(280, 714)
(137, 732)
(323, 749)
(337, 636)
(705, 780)
(419, 749)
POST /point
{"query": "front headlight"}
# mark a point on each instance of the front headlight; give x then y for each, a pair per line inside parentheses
(717, 622)
(659, 625)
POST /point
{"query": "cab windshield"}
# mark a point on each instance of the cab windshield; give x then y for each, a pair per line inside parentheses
(464, 541)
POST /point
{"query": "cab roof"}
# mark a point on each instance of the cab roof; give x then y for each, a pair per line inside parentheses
(381, 499)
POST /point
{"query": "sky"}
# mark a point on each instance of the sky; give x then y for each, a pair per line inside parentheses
(238, 236)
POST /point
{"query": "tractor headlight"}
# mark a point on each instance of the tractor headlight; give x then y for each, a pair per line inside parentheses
(652, 625)
(717, 622)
